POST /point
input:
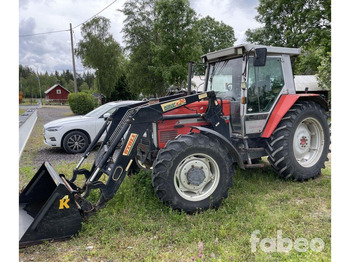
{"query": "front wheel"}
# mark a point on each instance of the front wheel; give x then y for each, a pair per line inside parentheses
(193, 173)
(75, 142)
(299, 146)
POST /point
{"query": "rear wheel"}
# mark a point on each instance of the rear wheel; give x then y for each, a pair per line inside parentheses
(299, 146)
(75, 142)
(193, 173)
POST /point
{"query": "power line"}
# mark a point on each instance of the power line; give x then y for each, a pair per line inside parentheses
(52, 32)
(96, 14)
(58, 31)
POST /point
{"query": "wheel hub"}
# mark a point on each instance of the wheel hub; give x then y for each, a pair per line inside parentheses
(195, 176)
(308, 142)
(302, 137)
(303, 141)
(76, 142)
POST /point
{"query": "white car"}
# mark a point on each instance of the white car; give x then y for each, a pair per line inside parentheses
(74, 134)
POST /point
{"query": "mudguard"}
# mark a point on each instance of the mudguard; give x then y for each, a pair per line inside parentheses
(282, 107)
(232, 150)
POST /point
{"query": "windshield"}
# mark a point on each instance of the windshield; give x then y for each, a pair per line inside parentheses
(100, 110)
(225, 78)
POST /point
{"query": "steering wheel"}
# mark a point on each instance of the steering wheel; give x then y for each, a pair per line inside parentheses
(228, 86)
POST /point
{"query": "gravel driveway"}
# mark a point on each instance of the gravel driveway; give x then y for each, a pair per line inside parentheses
(41, 152)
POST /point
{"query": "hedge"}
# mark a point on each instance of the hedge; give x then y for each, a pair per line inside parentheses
(81, 103)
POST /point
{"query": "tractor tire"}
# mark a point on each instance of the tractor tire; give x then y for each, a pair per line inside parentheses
(75, 142)
(299, 146)
(192, 173)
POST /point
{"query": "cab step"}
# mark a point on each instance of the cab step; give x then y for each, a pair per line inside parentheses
(259, 165)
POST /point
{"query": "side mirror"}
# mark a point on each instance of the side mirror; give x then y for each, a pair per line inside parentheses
(106, 115)
(260, 57)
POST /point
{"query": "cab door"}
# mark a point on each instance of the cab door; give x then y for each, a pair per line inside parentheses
(264, 87)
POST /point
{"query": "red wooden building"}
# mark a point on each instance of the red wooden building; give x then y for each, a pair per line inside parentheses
(57, 93)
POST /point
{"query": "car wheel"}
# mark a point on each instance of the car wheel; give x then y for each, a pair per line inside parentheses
(75, 142)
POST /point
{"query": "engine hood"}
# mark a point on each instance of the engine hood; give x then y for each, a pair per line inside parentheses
(67, 121)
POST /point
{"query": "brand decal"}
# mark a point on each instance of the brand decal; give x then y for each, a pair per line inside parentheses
(173, 104)
(201, 96)
(130, 144)
(64, 202)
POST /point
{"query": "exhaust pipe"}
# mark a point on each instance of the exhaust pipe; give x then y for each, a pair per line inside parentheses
(189, 77)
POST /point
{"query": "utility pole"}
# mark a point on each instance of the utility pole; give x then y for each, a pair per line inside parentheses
(74, 73)
(37, 75)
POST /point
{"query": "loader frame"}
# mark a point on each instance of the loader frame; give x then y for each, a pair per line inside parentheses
(134, 123)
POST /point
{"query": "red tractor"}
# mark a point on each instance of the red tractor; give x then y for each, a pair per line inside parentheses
(249, 109)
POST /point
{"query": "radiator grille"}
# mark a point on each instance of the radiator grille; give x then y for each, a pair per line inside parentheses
(165, 136)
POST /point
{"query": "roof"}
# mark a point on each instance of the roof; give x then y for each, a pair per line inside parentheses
(243, 48)
(98, 95)
(53, 87)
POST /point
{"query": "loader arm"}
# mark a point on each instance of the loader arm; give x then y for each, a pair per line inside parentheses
(132, 126)
(53, 207)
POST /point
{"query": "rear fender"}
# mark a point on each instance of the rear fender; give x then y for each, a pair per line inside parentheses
(282, 107)
(232, 150)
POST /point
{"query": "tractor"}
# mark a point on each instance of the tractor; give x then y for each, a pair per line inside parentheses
(191, 142)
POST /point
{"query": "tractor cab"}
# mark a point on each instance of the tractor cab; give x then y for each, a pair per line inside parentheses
(252, 78)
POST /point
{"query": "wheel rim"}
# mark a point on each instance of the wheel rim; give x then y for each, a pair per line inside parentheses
(76, 143)
(308, 142)
(196, 177)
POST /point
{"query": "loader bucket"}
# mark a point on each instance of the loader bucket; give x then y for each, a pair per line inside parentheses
(47, 209)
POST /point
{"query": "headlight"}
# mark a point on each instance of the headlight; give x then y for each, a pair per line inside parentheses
(54, 128)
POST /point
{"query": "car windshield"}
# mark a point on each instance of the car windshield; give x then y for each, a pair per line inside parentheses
(100, 110)
(225, 78)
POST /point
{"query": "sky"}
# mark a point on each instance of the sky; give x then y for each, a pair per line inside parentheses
(52, 52)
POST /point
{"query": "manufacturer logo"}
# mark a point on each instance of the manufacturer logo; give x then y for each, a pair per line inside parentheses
(201, 96)
(173, 104)
(130, 144)
(64, 202)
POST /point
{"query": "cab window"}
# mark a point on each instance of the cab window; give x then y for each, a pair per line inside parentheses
(264, 85)
(225, 78)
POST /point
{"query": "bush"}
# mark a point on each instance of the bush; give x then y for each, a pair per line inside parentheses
(81, 103)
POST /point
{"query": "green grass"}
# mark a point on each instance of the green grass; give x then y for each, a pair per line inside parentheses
(136, 226)
(29, 101)
(21, 111)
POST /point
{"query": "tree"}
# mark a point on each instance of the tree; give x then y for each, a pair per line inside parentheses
(122, 92)
(139, 34)
(214, 35)
(178, 40)
(84, 87)
(89, 79)
(293, 23)
(308, 62)
(296, 23)
(98, 50)
(324, 72)
(70, 86)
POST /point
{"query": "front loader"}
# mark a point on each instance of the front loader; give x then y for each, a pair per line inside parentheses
(191, 143)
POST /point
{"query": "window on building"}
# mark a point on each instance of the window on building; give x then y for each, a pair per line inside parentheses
(58, 91)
